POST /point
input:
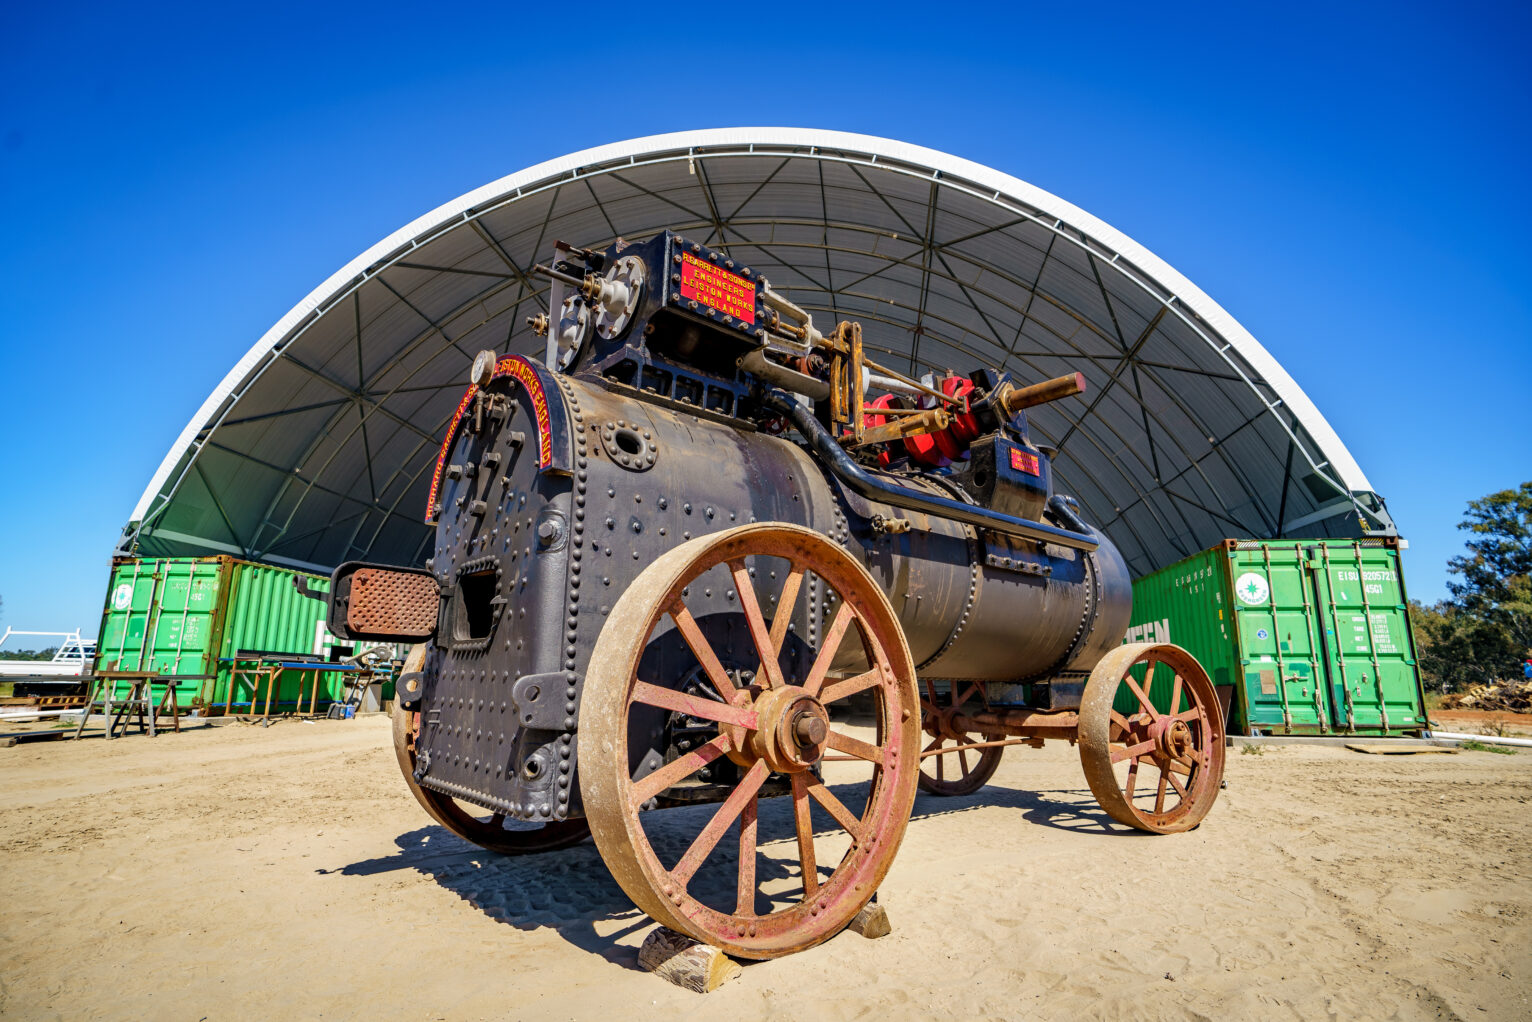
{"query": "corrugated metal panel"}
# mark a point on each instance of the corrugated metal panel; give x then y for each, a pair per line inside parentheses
(188, 616)
(1312, 636)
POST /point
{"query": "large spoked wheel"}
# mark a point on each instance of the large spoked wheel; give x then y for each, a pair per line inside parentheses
(946, 766)
(471, 823)
(774, 728)
(1152, 737)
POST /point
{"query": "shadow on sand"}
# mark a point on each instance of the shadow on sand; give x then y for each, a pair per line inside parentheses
(571, 891)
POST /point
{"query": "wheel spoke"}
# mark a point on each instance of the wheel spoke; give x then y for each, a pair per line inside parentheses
(963, 760)
(727, 813)
(1143, 700)
(785, 604)
(853, 747)
(745, 904)
(803, 824)
(1119, 727)
(834, 806)
(679, 769)
(1159, 797)
(1171, 777)
(935, 742)
(693, 706)
(1175, 696)
(1195, 713)
(941, 772)
(745, 587)
(1132, 777)
(1132, 751)
(703, 651)
(838, 690)
(827, 649)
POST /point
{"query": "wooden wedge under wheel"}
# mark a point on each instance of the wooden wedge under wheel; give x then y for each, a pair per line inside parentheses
(754, 717)
(467, 821)
(1151, 737)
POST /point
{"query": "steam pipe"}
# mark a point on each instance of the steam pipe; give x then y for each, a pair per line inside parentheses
(874, 488)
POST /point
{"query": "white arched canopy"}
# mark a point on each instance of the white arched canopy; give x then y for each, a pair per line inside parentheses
(316, 447)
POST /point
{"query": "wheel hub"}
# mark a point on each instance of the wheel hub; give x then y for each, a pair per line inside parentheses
(792, 732)
(1172, 738)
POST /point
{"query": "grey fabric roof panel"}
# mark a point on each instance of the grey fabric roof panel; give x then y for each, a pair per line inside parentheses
(316, 447)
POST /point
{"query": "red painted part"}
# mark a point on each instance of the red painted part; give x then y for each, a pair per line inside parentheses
(522, 372)
(937, 450)
(870, 420)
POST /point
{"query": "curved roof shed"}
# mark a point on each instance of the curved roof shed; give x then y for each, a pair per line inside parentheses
(316, 447)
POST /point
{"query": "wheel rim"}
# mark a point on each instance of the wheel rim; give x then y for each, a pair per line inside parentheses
(1152, 737)
(946, 768)
(774, 725)
(487, 830)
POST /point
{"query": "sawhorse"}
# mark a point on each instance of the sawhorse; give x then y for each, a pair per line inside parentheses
(139, 702)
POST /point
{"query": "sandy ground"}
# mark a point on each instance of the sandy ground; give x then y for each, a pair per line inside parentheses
(233, 872)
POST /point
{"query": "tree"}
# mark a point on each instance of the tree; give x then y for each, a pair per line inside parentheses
(1496, 572)
(1484, 631)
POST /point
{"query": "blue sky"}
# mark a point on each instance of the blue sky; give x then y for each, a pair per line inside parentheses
(1348, 180)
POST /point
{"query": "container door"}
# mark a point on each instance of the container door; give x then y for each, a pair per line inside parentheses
(183, 625)
(1374, 684)
(130, 601)
(1279, 654)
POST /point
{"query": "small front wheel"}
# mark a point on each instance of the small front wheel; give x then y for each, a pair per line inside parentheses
(1152, 737)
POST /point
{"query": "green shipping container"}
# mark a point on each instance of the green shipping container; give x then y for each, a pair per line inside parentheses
(187, 616)
(1308, 636)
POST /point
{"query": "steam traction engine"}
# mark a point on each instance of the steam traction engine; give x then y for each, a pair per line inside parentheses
(704, 554)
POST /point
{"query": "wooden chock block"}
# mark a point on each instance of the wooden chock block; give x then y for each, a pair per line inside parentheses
(871, 922)
(685, 962)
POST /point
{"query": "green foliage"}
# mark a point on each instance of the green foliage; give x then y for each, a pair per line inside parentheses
(1500, 750)
(28, 654)
(1482, 634)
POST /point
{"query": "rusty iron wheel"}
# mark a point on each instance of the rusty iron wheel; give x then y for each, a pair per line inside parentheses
(777, 727)
(946, 768)
(467, 821)
(1152, 737)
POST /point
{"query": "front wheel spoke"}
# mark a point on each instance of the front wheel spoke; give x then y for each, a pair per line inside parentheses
(693, 706)
(1159, 796)
(759, 633)
(803, 824)
(786, 602)
(1175, 696)
(853, 747)
(843, 816)
(963, 760)
(703, 651)
(727, 813)
(838, 690)
(1170, 775)
(745, 904)
(844, 615)
(679, 769)
(1180, 767)
(1132, 751)
(1192, 715)
(1143, 700)
(1132, 779)
(1119, 726)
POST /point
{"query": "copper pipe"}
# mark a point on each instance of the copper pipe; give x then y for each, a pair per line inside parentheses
(1041, 393)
